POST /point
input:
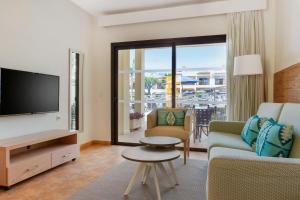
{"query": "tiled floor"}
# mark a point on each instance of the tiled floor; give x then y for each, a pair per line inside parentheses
(61, 182)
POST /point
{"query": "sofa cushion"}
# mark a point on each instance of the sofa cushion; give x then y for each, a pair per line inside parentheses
(229, 140)
(251, 129)
(290, 115)
(270, 110)
(218, 152)
(274, 140)
(171, 131)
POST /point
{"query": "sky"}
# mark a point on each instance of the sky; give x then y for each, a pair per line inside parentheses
(197, 56)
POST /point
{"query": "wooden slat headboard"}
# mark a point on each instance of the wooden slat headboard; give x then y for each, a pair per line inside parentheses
(287, 85)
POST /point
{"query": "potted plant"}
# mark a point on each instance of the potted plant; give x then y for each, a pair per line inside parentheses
(135, 120)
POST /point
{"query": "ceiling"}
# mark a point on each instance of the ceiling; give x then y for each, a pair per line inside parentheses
(120, 6)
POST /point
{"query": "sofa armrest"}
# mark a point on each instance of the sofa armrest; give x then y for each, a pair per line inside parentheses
(152, 119)
(232, 175)
(234, 127)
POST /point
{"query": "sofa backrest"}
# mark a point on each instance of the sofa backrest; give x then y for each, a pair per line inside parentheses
(270, 110)
(290, 115)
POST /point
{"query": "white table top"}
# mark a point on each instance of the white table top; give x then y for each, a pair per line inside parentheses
(148, 154)
(160, 141)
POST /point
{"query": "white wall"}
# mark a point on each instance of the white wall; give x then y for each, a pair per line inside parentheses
(35, 36)
(287, 33)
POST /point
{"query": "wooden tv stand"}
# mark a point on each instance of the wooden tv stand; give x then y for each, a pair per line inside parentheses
(25, 156)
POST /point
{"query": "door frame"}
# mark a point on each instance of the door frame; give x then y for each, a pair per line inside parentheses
(157, 43)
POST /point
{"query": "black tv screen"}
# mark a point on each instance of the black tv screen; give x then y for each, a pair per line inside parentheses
(26, 92)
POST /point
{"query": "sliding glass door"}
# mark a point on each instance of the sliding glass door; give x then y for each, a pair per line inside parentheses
(201, 85)
(184, 72)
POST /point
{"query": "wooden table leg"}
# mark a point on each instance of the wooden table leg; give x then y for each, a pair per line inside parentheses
(146, 174)
(173, 172)
(163, 169)
(156, 181)
(133, 178)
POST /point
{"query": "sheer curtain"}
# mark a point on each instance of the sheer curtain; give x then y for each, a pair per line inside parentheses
(245, 36)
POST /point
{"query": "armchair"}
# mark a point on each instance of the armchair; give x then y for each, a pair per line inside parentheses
(181, 132)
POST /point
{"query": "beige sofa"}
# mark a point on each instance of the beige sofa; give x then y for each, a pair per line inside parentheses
(181, 132)
(235, 172)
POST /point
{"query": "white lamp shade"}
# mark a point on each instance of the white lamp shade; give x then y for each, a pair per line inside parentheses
(247, 65)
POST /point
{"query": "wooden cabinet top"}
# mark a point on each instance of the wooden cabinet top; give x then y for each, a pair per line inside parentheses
(26, 140)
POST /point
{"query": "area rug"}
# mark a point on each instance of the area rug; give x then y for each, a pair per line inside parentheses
(111, 186)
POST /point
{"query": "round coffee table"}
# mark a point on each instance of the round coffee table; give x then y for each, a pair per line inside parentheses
(150, 159)
(160, 141)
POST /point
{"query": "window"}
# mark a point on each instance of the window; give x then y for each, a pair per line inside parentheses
(75, 90)
(204, 81)
(219, 81)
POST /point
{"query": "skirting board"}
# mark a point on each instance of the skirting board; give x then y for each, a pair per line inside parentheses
(90, 143)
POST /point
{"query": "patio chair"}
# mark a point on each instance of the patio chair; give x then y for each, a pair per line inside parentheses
(203, 117)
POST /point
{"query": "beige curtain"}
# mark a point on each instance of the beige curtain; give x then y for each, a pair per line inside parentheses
(245, 36)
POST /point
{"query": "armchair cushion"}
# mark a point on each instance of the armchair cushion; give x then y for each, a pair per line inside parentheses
(179, 118)
(162, 118)
(171, 131)
(171, 118)
(221, 139)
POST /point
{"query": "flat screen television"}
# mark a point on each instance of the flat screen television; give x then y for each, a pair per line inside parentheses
(27, 92)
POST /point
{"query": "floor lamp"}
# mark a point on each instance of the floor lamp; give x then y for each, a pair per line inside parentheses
(248, 65)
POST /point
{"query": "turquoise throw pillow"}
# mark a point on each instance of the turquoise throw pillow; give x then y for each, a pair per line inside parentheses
(175, 118)
(162, 118)
(251, 129)
(274, 140)
(179, 118)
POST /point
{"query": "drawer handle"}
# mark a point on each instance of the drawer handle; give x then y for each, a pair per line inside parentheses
(25, 172)
(66, 155)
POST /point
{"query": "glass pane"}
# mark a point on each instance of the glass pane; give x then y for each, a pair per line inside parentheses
(74, 91)
(144, 83)
(201, 85)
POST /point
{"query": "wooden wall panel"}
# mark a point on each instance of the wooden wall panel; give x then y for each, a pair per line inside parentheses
(287, 85)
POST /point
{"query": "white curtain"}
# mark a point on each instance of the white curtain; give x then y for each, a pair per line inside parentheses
(245, 36)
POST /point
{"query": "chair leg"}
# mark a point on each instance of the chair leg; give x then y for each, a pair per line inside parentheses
(200, 133)
(184, 150)
(206, 131)
(194, 135)
(188, 147)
